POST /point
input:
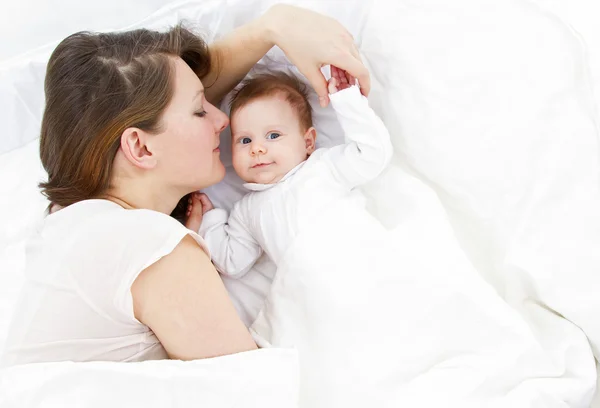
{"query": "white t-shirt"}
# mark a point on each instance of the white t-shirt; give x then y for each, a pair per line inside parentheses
(271, 216)
(76, 304)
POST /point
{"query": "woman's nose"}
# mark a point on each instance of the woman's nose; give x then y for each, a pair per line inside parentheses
(220, 120)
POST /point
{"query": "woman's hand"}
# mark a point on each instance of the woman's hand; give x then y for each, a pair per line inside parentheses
(311, 40)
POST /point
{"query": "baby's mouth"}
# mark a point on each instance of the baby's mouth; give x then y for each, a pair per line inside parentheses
(259, 165)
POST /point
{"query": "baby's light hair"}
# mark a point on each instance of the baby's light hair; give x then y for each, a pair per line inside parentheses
(271, 84)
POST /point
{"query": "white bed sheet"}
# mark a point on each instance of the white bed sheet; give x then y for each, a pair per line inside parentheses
(265, 378)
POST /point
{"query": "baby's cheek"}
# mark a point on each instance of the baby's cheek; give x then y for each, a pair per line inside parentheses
(237, 160)
(235, 157)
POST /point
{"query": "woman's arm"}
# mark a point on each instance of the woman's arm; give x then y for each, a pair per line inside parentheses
(183, 300)
(310, 40)
(234, 55)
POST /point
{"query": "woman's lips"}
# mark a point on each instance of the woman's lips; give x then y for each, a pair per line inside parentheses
(216, 149)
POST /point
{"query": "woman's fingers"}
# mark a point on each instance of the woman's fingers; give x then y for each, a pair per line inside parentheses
(351, 80)
(352, 68)
(355, 53)
(356, 69)
(318, 82)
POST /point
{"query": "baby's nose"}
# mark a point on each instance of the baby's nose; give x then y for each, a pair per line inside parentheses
(258, 148)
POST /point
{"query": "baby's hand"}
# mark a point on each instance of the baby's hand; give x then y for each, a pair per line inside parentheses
(198, 205)
(339, 80)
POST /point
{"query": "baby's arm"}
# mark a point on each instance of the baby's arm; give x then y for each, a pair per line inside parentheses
(232, 248)
(368, 149)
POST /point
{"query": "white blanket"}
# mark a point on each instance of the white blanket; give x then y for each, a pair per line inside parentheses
(378, 321)
(257, 379)
(489, 294)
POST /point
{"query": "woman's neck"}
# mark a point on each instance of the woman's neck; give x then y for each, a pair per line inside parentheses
(138, 195)
(134, 188)
(119, 201)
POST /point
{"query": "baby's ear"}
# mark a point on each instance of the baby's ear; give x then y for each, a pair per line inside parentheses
(310, 138)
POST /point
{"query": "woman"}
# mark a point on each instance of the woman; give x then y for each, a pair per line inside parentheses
(130, 128)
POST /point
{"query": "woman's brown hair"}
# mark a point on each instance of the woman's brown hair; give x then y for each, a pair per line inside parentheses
(97, 85)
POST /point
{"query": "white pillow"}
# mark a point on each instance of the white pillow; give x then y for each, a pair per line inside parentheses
(21, 207)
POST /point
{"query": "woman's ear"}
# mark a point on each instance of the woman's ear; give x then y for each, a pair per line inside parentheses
(134, 144)
(310, 138)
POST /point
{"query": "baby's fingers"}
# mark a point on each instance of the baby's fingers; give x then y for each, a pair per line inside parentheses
(207, 205)
(343, 79)
(194, 213)
(332, 85)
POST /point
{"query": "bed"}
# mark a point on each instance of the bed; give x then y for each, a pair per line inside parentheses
(491, 209)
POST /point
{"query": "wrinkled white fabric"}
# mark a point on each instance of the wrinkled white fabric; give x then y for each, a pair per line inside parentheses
(493, 111)
(371, 332)
(266, 378)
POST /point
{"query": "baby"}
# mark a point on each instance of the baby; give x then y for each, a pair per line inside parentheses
(273, 151)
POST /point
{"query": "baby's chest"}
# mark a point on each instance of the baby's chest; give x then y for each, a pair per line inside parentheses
(295, 204)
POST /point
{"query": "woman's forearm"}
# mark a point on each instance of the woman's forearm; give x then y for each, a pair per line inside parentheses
(309, 40)
(236, 53)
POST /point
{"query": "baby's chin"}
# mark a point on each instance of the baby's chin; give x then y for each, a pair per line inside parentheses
(263, 178)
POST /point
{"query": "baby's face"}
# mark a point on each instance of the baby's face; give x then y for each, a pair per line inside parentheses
(267, 140)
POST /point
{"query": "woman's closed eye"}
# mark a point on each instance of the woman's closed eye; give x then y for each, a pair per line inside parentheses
(200, 114)
(273, 135)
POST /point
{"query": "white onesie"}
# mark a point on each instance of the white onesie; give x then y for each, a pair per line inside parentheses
(271, 216)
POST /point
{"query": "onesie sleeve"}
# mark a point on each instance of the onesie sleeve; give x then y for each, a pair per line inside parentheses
(229, 239)
(367, 149)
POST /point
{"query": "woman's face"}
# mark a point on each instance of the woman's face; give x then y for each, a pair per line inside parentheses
(189, 144)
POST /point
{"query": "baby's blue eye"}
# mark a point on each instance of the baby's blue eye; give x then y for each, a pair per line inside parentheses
(273, 135)
(245, 140)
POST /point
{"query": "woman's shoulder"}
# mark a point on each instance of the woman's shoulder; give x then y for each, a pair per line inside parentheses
(99, 210)
(102, 248)
(104, 214)
(102, 227)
